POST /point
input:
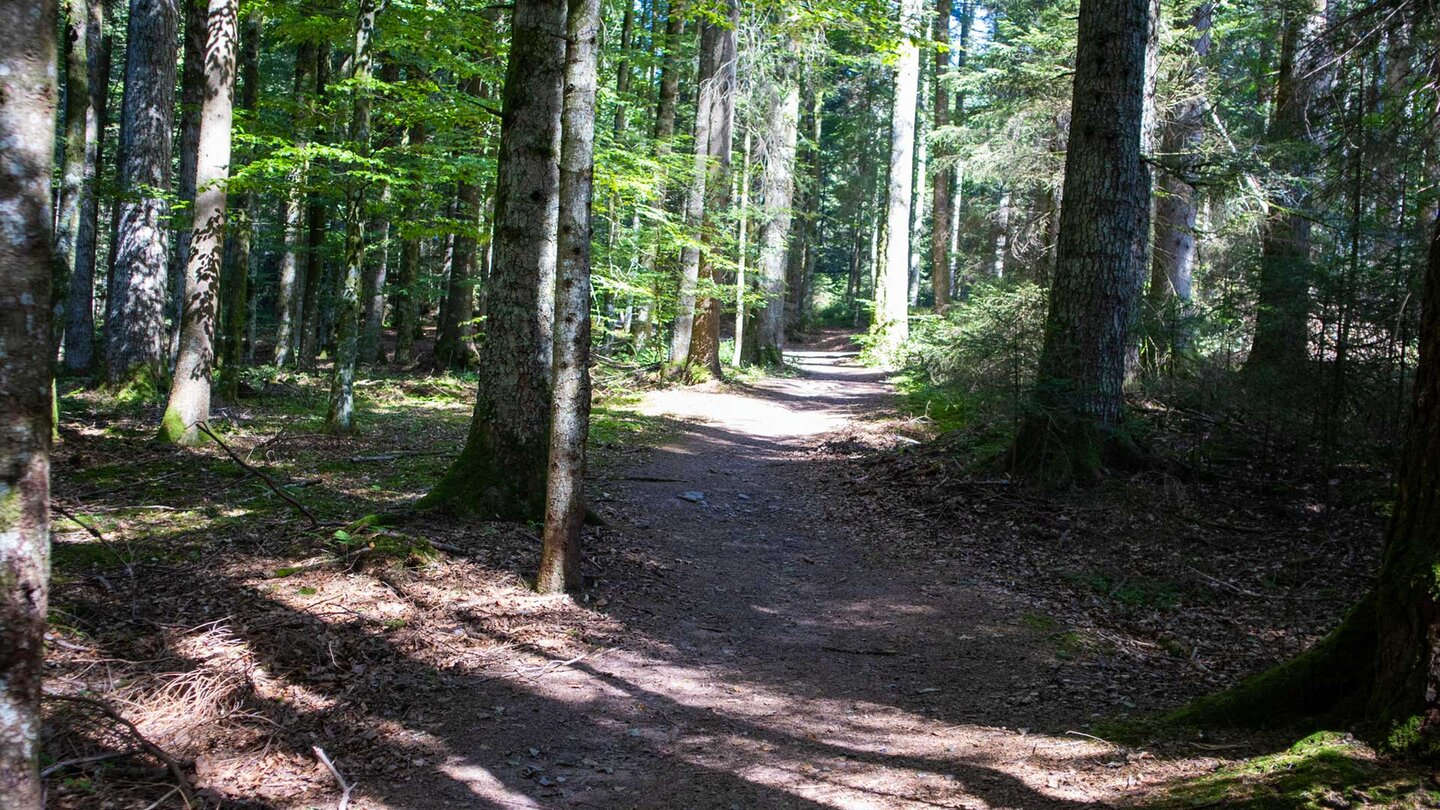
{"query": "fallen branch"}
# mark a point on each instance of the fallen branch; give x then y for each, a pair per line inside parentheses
(345, 787)
(871, 651)
(181, 782)
(95, 533)
(269, 482)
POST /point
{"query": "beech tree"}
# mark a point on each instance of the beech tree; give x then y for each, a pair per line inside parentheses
(570, 403)
(892, 310)
(190, 386)
(27, 128)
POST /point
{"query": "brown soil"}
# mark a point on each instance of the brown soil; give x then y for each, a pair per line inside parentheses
(789, 608)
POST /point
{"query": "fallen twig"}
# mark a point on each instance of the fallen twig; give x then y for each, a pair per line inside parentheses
(871, 651)
(345, 787)
(269, 482)
(181, 783)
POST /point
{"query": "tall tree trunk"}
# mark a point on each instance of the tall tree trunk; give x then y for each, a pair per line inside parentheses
(1173, 259)
(341, 415)
(235, 276)
(1100, 259)
(135, 328)
(715, 83)
(747, 348)
(315, 217)
(190, 387)
(407, 296)
(705, 338)
(289, 293)
(192, 92)
(27, 128)
(80, 307)
(802, 251)
(669, 94)
(501, 470)
(372, 287)
(1282, 329)
(570, 404)
(76, 161)
(940, 178)
(622, 66)
(892, 313)
(777, 189)
(454, 344)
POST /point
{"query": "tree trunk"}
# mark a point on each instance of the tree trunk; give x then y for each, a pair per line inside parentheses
(622, 66)
(76, 161)
(373, 285)
(940, 178)
(135, 329)
(27, 128)
(190, 387)
(777, 188)
(341, 416)
(747, 348)
(454, 344)
(407, 302)
(1100, 258)
(669, 95)
(192, 93)
(501, 470)
(289, 299)
(315, 216)
(705, 340)
(1282, 329)
(80, 308)
(235, 277)
(570, 404)
(1173, 259)
(892, 313)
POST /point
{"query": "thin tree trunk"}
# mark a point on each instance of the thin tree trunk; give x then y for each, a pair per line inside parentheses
(501, 470)
(190, 387)
(289, 299)
(27, 128)
(80, 308)
(135, 328)
(341, 415)
(705, 339)
(1100, 261)
(407, 300)
(77, 164)
(454, 345)
(1282, 329)
(570, 403)
(235, 277)
(1173, 259)
(777, 190)
(940, 178)
(373, 284)
(670, 72)
(315, 216)
(192, 92)
(622, 66)
(743, 354)
(892, 312)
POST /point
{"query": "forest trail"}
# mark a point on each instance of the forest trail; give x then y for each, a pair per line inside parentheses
(770, 663)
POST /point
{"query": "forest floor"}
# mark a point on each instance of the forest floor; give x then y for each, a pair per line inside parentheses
(795, 600)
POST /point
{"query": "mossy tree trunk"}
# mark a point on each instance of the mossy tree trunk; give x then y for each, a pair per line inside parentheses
(501, 470)
(27, 127)
(190, 386)
(1100, 259)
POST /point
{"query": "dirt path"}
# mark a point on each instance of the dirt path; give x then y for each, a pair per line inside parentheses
(770, 662)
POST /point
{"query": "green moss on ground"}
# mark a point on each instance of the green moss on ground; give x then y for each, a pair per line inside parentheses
(1324, 770)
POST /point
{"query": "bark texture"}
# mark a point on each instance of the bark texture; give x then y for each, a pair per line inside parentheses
(235, 277)
(80, 307)
(1100, 258)
(570, 402)
(940, 177)
(341, 415)
(777, 189)
(501, 470)
(135, 326)
(76, 160)
(27, 128)
(289, 302)
(190, 387)
(892, 312)
(192, 94)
